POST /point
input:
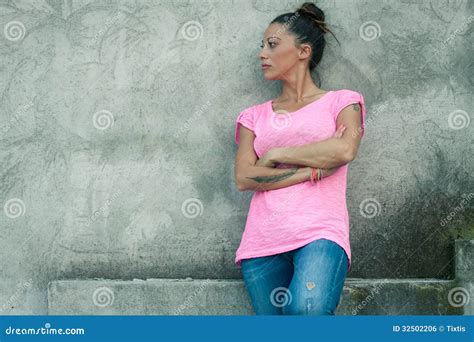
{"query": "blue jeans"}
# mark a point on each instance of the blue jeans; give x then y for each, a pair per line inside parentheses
(305, 281)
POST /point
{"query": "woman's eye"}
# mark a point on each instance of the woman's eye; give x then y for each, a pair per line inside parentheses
(272, 44)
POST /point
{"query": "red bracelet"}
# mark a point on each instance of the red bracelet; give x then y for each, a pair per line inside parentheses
(313, 175)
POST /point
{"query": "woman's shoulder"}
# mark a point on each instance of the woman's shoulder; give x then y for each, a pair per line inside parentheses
(264, 106)
(346, 93)
(257, 108)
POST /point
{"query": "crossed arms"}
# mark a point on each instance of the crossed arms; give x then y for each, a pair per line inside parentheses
(256, 174)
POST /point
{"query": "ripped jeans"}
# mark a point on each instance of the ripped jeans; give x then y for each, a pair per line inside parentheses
(305, 281)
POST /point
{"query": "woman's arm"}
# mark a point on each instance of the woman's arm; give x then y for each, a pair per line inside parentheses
(260, 175)
(249, 176)
(328, 153)
(263, 178)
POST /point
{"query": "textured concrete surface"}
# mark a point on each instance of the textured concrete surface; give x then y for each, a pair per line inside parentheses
(117, 142)
(464, 251)
(229, 297)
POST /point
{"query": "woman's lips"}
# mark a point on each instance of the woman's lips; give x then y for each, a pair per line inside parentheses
(265, 66)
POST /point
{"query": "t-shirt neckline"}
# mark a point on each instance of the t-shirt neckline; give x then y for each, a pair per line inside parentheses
(270, 104)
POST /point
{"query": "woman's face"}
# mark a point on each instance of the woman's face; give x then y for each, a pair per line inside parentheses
(280, 53)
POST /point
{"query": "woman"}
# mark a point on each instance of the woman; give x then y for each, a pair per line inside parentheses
(294, 153)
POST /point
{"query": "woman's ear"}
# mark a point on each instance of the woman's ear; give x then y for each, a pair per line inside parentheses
(305, 51)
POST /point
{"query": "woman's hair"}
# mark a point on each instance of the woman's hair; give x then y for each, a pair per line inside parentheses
(308, 25)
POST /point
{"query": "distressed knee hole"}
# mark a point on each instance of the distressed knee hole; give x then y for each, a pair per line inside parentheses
(309, 305)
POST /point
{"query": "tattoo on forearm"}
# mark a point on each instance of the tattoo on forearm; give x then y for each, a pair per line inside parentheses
(356, 107)
(274, 179)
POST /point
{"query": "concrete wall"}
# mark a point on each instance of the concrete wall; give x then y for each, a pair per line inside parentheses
(117, 145)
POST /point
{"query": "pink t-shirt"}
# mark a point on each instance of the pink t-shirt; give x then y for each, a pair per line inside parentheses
(284, 219)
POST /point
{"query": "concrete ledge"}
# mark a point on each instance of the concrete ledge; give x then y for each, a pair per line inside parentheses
(464, 253)
(229, 297)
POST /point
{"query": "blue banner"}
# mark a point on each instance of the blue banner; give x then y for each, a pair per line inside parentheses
(237, 328)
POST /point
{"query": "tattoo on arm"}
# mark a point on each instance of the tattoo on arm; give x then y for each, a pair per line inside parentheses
(274, 179)
(356, 107)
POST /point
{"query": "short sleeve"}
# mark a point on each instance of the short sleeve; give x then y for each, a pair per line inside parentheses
(348, 97)
(245, 118)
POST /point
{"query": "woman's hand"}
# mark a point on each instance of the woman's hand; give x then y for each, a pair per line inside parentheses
(266, 159)
(327, 172)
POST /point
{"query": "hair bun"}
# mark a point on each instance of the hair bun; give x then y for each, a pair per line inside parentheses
(315, 13)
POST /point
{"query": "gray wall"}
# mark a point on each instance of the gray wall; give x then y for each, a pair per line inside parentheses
(117, 145)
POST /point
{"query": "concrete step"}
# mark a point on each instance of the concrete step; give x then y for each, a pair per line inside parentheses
(229, 297)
